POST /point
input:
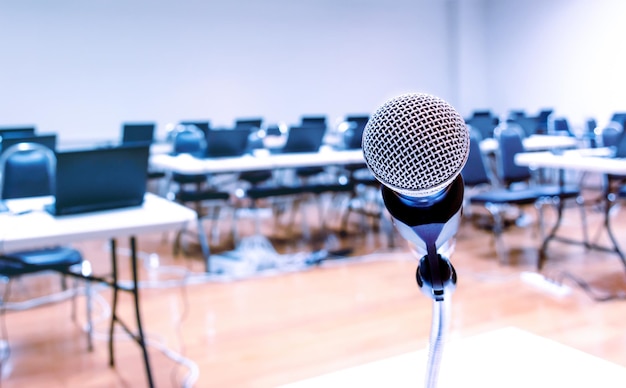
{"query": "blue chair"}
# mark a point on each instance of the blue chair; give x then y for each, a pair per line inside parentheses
(28, 170)
(512, 176)
(195, 190)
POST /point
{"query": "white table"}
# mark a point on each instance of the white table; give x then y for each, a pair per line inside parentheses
(534, 143)
(31, 227)
(508, 357)
(187, 164)
(587, 160)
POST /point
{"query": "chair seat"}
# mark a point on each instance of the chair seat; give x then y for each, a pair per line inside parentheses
(330, 188)
(201, 195)
(58, 259)
(273, 191)
(566, 191)
(506, 196)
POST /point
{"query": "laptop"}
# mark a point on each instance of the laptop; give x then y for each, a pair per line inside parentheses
(100, 179)
(6, 132)
(48, 140)
(227, 142)
(138, 133)
(304, 139)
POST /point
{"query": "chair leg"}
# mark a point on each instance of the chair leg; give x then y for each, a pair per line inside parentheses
(498, 227)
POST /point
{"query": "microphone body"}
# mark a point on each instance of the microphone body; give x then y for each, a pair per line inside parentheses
(416, 145)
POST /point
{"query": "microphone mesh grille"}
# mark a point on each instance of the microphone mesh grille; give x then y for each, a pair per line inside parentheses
(416, 144)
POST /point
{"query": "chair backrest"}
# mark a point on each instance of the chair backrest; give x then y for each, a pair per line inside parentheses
(27, 170)
(483, 122)
(611, 135)
(561, 126)
(188, 139)
(354, 134)
(510, 142)
(203, 126)
(474, 172)
(528, 124)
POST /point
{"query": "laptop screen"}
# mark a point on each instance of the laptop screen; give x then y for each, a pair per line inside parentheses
(48, 140)
(138, 132)
(227, 142)
(304, 139)
(100, 179)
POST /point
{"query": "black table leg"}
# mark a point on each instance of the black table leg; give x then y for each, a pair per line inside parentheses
(139, 336)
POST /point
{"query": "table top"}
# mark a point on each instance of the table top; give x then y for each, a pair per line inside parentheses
(590, 160)
(534, 143)
(508, 357)
(29, 226)
(187, 164)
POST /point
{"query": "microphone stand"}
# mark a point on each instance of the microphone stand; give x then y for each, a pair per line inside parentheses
(438, 331)
(445, 276)
(430, 229)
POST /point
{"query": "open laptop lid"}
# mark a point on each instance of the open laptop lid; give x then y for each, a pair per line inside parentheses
(48, 140)
(138, 132)
(227, 142)
(304, 139)
(100, 179)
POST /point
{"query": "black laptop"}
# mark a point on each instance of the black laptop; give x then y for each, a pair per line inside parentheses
(227, 142)
(48, 140)
(138, 133)
(100, 179)
(304, 139)
(6, 132)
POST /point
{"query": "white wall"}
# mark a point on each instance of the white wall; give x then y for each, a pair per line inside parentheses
(81, 68)
(565, 54)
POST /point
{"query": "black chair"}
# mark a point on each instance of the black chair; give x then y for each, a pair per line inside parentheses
(560, 126)
(512, 175)
(528, 124)
(28, 170)
(542, 118)
(195, 190)
(484, 121)
(611, 135)
(497, 200)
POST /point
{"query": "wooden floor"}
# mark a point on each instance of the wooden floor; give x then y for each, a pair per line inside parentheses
(277, 328)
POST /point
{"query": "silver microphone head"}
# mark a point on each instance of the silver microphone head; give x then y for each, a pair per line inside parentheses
(416, 144)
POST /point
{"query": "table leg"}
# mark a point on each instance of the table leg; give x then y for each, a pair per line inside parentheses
(140, 336)
(114, 318)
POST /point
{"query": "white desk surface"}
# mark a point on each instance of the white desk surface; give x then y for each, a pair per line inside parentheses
(507, 357)
(187, 164)
(534, 143)
(38, 228)
(591, 160)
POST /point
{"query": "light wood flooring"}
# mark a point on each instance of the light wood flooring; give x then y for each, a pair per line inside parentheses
(277, 328)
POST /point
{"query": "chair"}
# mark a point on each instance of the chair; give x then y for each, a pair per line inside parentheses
(28, 170)
(484, 121)
(195, 190)
(560, 126)
(515, 187)
(611, 134)
(542, 118)
(510, 175)
(481, 191)
(527, 123)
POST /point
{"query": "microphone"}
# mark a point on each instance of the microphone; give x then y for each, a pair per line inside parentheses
(416, 145)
